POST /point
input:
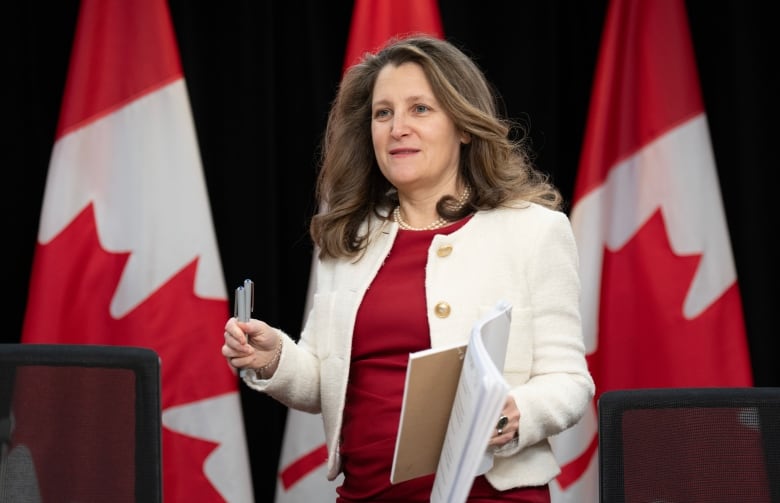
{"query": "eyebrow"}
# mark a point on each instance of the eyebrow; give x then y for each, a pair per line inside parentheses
(410, 99)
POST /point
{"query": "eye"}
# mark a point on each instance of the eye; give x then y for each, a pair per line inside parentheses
(421, 109)
(381, 113)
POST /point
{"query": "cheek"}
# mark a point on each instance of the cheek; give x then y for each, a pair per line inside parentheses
(377, 132)
(378, 140)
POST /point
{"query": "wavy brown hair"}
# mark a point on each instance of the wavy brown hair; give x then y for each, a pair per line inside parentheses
(351, 188)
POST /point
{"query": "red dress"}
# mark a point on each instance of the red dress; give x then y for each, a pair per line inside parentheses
(390, 324)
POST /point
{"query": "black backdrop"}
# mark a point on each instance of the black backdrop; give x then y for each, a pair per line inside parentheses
(261, 75)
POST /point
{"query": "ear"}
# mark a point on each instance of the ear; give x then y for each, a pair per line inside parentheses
(465, 138)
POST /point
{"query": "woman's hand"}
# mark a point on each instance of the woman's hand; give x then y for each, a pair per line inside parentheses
(506, 430)
(251, 345)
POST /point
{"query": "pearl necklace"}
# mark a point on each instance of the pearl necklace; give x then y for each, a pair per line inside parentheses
(436, 224)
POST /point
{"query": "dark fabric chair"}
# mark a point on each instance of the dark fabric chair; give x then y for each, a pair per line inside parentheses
(80, 423)
(684, 445)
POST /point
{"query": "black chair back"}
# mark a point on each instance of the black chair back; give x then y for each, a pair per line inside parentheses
(681, 445)
(80, 423)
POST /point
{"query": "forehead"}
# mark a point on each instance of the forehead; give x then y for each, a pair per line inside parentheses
(402, 81)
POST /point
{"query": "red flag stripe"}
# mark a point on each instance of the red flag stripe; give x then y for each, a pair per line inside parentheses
(634, 82)
(573, 470)
(374, 22)
(303, 466)
(107, 40)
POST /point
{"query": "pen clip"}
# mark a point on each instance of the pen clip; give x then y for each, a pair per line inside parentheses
(249, 297)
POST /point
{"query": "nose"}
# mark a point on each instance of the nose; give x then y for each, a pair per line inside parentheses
(400, 126)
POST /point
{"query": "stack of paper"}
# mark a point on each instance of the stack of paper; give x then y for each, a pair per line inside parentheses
(452, 400)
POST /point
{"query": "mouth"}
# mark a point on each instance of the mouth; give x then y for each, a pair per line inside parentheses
(403, 151)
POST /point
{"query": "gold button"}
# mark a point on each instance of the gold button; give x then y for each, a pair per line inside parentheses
(442, 309)
(444, 250)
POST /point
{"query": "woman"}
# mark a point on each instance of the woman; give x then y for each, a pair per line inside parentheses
(432, 214)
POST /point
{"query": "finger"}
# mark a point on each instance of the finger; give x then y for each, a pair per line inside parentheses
(239, 361)
(230, 352)
(232, 342)
(235, 346)
(233, 328)
(234, 332)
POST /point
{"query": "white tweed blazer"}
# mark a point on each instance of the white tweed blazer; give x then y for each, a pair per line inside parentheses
(525, 255)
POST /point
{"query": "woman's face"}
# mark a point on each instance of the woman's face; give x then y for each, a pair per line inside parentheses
(416, 144)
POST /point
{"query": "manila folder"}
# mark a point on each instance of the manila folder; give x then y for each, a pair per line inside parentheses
(431, 382)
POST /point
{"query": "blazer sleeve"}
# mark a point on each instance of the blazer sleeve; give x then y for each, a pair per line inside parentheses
(559, 387)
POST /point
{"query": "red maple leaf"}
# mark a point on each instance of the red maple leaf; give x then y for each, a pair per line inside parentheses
(73, 282)
(644, 340)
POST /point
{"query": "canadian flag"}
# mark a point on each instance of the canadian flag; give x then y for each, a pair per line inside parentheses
(660, 302)
(126, 250)
(302, 464)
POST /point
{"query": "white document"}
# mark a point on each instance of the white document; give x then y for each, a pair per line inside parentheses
(479, 400)
(448, 391)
